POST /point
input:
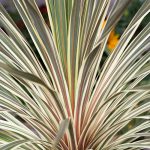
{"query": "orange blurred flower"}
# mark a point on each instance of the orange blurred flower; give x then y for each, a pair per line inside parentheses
(112, 40)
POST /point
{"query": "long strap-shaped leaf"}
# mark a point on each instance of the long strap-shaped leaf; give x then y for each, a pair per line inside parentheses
(85, 84)
(43, 41)
(105, 75)
(50, 145)
(24, 50)
(58, 21)
(32, 78)
(73, 35)
(35, 79)
(14, 144)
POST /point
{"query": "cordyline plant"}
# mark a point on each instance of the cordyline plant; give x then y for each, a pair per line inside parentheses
(68, 99)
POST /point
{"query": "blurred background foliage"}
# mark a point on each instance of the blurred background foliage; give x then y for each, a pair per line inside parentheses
(129, 14)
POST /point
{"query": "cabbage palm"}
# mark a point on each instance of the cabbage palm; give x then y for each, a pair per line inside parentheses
(66, 100)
